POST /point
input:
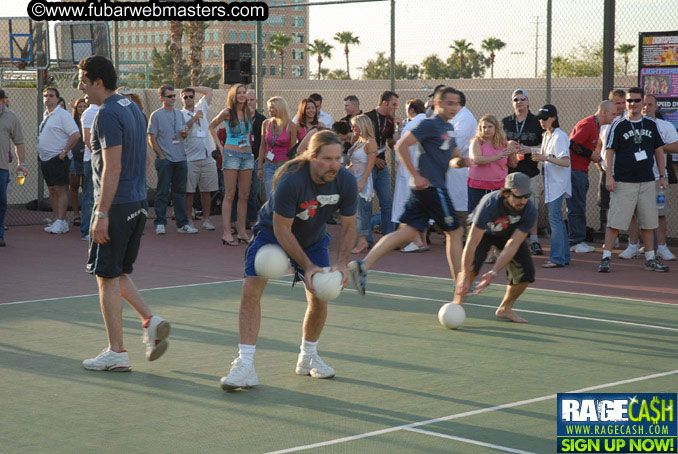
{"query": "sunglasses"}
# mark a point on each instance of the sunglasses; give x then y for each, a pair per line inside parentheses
(170, 96)
(188, 97)
(526, 196)
(634, 100)
(519, 99)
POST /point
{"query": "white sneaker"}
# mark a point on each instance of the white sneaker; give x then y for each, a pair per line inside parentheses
(155, 337)
(109, 360)
(582, 248)
(187, 229)
(84, 238)
(631, 252)
(59, 227)
(665, 254)
(242, 375)
(410, 248)
(50, 226)
(207, 225)
(160, 229)
(314, 366)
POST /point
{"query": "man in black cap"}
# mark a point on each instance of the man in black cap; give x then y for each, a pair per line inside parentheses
(524, 128)
(502, 219)
(429, 104)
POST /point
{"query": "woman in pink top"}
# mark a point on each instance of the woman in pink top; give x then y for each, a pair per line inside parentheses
(491, 156)
(278, 135)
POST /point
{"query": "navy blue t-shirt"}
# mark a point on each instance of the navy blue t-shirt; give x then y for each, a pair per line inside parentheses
(310, 204)
(120, 122)
(493, 216)
(629, 139)
(436, 137)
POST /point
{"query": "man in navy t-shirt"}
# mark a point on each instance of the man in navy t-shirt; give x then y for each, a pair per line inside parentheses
(118, 143)
(429, 198)
(306, 191)
(502, 219)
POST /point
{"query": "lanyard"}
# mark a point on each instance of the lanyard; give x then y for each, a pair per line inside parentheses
(519, 132)
(274, 136)
(637, 137)
(44, 122)
(380, 129)
(174, 123)
(192, 115)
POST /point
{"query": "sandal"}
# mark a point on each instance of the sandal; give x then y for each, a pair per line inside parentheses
(243, 240)
(76, 221)
(552, 265)
(355, 250)
(233, 242)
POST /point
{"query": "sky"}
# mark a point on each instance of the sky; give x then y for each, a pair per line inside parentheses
(425, 27)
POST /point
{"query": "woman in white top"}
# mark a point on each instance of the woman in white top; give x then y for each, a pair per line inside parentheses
(555, 154)
(363, 154)
(401, 192)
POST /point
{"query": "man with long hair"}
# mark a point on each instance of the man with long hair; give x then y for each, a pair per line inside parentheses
(306, 191)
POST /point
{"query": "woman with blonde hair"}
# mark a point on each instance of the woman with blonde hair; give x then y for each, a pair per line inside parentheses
(363, 155)
(238, 160)
(491, 156)
(279, 135)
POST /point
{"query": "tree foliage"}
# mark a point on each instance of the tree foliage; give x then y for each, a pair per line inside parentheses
(380, 69)
(347, 39)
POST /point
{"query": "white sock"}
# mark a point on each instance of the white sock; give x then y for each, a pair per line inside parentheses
(649, 255)
(661, 246)
(607, 254)
(534, 239)
(633, 246)
(308, 348)
(246, 353)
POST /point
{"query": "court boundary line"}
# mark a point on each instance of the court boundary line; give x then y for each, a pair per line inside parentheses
(470, 441)
(533, 288)
(468, 413)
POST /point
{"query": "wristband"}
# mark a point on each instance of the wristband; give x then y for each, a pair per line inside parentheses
(493, 273)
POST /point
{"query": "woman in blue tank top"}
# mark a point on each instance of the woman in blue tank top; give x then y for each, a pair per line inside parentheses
(238, 160)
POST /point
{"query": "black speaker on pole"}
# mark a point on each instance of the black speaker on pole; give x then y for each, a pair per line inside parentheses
(237, 64)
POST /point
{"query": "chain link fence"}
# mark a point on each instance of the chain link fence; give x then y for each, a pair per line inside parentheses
(344, 48)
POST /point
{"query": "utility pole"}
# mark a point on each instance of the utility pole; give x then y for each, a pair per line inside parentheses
(536, 49)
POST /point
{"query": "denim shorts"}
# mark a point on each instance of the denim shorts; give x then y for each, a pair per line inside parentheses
(237, 160)
(77, 167)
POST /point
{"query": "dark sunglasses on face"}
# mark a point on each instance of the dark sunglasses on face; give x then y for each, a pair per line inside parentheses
(519, 99)
(526, 196)
(188, 97)
(634, 100)
(170, 96)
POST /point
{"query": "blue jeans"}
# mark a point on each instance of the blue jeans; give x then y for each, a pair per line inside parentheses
(174, 173)
(474, 196)
(576, 207)
(269, 172)
(560, 246)
(87, 199)
(382, 184)
(253, 201)
(364, 217)
(4, 180)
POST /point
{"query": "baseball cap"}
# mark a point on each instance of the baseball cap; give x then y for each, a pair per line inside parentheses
(438, 87)
(124, 91)
(518, 183)
(520, 91)
(548, 111)
(3, 95)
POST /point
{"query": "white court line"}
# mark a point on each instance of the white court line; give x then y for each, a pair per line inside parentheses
(468, 440)
(468, 413)
(96, 294)
(533, 288)
(553, 314)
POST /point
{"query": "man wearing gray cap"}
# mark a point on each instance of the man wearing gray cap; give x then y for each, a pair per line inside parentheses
(502, 219)
(524, 128)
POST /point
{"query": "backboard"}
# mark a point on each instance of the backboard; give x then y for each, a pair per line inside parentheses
(24, 43)
(78, 40)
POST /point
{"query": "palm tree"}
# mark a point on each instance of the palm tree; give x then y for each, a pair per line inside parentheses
(347, 38)
(176, 34)
(279, 42)
(490, 45)
(461, 47)
(625, 50)
(196, 38)
(321, 48)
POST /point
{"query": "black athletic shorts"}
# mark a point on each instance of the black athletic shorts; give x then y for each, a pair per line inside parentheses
(55, 171)
(603, 193)
(520, 269)
(125, 227)
(430, 203)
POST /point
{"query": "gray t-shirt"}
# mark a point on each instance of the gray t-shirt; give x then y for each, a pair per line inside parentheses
(167, 127)
(310, 204)
(493, 216)
(10, 131)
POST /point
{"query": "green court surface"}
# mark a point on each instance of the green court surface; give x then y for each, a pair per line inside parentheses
(404, 384)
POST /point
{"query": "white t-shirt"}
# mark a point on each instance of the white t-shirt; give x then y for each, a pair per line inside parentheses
(557, 179)
(87, 120)
(323, 117)
(456, 180)
(669, 135)
(199, 143)
(55, 131)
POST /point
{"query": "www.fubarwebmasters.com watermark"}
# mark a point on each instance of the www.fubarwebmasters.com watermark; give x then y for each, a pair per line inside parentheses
(196, 10)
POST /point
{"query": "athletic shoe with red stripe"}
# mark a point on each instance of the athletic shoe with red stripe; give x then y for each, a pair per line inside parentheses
(109, 360)
(156, 331)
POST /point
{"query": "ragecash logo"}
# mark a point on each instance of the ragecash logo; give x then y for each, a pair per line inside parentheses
(616, 422)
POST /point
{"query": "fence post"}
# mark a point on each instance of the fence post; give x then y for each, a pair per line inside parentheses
(257, 77)
(549, 28)
(393, 45)
(608, 47)
(40, 108)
